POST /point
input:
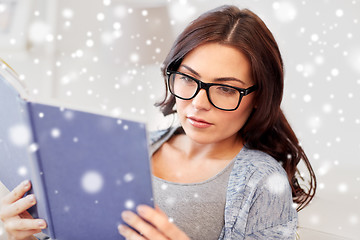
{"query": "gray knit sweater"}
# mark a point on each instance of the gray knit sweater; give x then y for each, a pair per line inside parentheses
(259, 202)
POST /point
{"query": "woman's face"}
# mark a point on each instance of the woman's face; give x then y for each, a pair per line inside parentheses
(215, 63)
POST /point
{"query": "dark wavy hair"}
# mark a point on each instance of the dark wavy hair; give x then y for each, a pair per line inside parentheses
(267, 129)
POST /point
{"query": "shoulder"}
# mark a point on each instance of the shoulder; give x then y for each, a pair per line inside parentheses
(255, 170)
(159, 136)
(259, 159)
(256, 173)
(155, 136)
(257, 166)
(263, 174)
(259, 193)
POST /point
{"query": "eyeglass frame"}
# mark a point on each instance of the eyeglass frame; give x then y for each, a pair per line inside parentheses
(206, 86)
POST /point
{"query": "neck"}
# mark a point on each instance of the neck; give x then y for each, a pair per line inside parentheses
(224, 150)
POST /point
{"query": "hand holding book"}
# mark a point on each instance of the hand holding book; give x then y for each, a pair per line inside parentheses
(152, 223)
(19, 224)
(78, 162)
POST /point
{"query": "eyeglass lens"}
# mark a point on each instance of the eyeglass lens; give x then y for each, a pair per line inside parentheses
(221, 96)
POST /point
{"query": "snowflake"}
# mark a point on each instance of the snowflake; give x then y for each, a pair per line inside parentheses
(55, 133)
(92, 182)
(307, 98)
(181, 12)
(284, 11)
(129, 177)
(89, 43)
(324, 168)
(334, 72)
(170, 201)
(343, 187)
(69, 115)
(22, 171)
(339, 13)
(129, 204)
(354, 219)
(327, 108)
(33, 147)
(144, 13)
(314, 219)
(134, 57)
(100, 17)
(68, 13)
(276, 183)
(19, 135)
(120, 11)
(38, 31)
(107, 2)
(66, 208)
(314, 37)
(164, 186)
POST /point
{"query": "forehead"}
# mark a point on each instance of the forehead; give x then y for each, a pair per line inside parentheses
(218, 60)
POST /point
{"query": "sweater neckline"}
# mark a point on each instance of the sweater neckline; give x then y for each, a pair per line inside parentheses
(167, 136)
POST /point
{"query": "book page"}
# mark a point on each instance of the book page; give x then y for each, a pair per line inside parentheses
(19, 85)
(13, 79)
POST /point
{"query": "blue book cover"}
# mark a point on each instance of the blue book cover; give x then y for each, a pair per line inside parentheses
(85, 168)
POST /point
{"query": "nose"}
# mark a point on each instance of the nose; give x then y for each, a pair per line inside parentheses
(201, 101)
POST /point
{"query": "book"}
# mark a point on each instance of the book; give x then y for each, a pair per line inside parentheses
(85, 168)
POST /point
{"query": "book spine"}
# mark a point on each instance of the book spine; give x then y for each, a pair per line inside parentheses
(38, 178)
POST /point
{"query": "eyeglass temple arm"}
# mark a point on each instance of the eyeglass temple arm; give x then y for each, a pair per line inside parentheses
(250, 90)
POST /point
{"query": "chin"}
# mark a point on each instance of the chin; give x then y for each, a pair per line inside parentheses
(200, 136)
(201, 139)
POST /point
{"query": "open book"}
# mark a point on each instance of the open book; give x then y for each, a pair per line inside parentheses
(85, 168)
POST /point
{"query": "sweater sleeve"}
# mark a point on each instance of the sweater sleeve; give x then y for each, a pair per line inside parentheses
(272, 215)
(284, 231)
(259, 202)
(42, 236)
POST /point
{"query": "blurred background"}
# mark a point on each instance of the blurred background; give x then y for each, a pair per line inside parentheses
(106, 55)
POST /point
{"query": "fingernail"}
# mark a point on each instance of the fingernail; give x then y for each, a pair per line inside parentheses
(26, 183)
(121, 228)
(141, 209)
(32, 199)
(42, 224)
(126, 215)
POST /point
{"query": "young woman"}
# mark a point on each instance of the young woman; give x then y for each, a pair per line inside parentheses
(229, 170)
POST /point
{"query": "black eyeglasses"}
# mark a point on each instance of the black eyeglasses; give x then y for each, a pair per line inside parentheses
(221, 96)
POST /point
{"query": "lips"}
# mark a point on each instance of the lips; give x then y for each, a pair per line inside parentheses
(198, 122)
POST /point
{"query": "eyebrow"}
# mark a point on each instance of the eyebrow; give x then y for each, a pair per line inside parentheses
(222, 79)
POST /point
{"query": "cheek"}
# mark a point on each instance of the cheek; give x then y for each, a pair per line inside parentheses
(235, 121)
(180, 104)
(240, 115)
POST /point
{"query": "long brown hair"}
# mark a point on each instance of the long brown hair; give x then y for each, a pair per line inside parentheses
(267, 128)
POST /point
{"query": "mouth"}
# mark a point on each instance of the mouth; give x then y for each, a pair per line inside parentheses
(198, 122)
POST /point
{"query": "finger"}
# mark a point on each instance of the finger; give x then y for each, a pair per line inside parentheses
(22, 234)
(129, 233)
(141, 226)
(160, 211)
(18, 207)
(17, 193)
(161, 222)
(23, 224)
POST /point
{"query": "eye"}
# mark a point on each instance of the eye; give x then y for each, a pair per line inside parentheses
(229, 91)
(185, 79)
